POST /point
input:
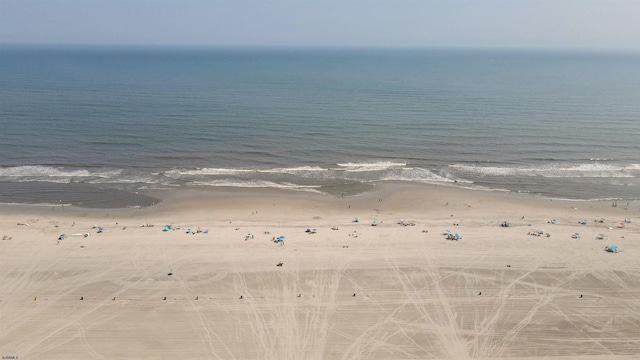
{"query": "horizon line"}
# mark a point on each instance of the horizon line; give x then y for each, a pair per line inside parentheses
(326, 46)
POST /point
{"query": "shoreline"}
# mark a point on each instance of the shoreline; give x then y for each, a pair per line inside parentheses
(149, 198)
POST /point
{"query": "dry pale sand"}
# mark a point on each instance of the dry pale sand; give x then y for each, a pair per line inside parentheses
(417, 294)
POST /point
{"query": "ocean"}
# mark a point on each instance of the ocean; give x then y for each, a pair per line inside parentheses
(98, 126)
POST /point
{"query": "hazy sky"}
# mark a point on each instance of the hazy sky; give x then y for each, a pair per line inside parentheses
(480, 23)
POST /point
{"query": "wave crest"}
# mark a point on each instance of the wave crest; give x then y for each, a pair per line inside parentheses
(593, 170)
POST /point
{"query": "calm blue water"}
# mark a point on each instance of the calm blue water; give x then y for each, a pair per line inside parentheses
(560, 124)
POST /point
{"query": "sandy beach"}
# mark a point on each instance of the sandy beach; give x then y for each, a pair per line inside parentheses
(348, 290)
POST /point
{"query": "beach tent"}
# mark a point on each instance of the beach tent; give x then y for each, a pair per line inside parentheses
(62, 236)
(356, 219)
(601, 237)
(167, 228)
(308, 231)
(576, 236)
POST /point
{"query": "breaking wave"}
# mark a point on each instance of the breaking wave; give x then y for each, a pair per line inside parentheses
(257, 184)
(55, 174)
(592, 170)
(370, 166)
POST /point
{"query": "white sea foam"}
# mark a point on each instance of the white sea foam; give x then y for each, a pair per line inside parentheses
(417, 175)
(207, 171)
(293, 170)
(370, 166)
(256, 184)
(593, 170)
(240, 171)
(141, 178)
(37, 204)
(53, 174)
